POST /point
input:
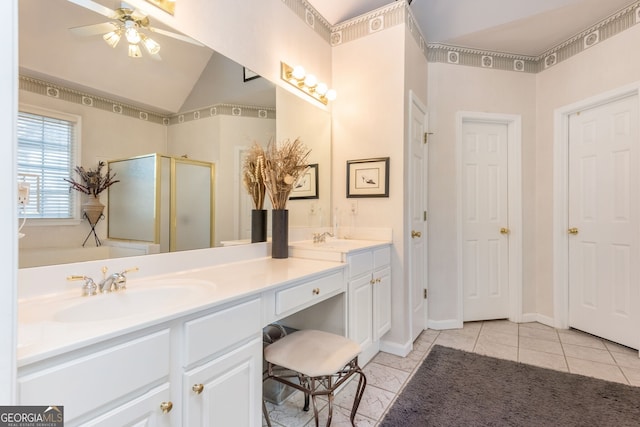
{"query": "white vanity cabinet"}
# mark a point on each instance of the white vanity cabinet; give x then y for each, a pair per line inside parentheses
(369, 298)
(128, 379)
(222, 376)
(153, 379)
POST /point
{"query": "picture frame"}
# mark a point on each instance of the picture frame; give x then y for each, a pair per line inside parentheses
(307, 185)
(248, 74)
(368, 177)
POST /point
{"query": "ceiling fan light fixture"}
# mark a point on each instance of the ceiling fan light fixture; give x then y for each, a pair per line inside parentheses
(132, 35)
(134, 51)
(113, 37)
(150, 44)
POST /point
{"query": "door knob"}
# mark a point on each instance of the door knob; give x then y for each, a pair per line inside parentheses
(166, 407)
(197, 388)
(415, 234)
(505, 230)
(572, 230)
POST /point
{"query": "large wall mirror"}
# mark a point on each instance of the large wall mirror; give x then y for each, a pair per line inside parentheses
(187, 101)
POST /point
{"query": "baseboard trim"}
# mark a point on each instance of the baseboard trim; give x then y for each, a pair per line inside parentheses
(397, 349)
(440, 325)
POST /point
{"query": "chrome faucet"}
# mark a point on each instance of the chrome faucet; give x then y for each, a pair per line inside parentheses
(114, 282)
(321, 237)
(111, 283)
(89, 287)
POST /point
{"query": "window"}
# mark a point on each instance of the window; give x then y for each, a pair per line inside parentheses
(47, 147)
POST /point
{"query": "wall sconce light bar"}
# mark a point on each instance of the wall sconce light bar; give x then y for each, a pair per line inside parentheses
(307, 83)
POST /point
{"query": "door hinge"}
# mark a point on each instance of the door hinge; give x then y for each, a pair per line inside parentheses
(425, 291)
(426, 137)
(424, 215)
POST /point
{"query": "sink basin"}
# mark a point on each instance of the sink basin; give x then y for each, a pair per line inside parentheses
(159, 296)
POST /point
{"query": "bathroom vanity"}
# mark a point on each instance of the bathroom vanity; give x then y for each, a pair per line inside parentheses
(185, 348)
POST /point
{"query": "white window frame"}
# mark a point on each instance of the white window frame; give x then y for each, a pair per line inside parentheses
(75, 155)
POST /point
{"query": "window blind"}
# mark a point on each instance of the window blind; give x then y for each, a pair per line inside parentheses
(46, 147)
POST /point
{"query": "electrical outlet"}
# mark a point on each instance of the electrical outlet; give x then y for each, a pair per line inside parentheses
(353, 207)
(23, 193)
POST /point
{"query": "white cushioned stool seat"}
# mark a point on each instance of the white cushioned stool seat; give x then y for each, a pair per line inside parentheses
(312, 353)
(316, 363)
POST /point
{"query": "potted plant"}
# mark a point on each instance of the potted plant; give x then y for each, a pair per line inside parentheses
(285, 163)
(253, 180)
(92, 182)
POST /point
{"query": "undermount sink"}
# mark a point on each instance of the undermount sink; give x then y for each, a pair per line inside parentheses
(160, 296)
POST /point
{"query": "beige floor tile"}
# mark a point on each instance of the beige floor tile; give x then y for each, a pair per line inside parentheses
(406, 364)
(290, 412)
(498, 337)
(572, 336)
(546, 333)
(461, 342)
(632, 374)
(502, 326)
(588, 353)
(500, 351)
(385, 377)
(535, 325)
(596, 370)
(374, 402)
(628, 360)
(341, 418)
(544, 346)
(619, 348)
(542, 359)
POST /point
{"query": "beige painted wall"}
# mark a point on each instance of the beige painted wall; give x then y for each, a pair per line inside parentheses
(454, 88)
(608, 65)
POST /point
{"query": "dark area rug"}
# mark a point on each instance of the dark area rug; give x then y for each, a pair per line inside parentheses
(457, 388)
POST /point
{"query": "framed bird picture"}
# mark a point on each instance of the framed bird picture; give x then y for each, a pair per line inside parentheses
(368, 177)
(307, 185)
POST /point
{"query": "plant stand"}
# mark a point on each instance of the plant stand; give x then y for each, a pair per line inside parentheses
(93, 230)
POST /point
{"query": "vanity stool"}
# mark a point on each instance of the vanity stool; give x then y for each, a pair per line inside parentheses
(320, 361)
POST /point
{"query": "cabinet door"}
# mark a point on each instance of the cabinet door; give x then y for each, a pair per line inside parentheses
(381, 302)
(361, 311)
(226, 391)
(144, 411)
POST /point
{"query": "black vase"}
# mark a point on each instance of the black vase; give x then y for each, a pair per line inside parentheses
(258, 225)
(279, 233)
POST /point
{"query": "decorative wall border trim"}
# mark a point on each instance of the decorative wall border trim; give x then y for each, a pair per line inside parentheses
(311, 17)
(400, 13)
(41, 87)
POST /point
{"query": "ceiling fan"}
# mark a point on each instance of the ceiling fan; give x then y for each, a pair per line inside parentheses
(128, 22)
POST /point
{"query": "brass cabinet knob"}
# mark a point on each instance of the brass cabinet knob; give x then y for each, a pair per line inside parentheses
(166, 407)
(415, 234)
(197, 388)
(372, 281)
(316, 291)
(572, 230)
(504, 230)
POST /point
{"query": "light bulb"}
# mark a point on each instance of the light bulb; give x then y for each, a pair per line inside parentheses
(321, 89)
(298, 72)
(151, 45)
(331, 95)
(310, 81)
(132, 35)
(134, 51)
(112, 38)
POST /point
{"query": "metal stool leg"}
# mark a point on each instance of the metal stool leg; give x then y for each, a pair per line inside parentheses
(266, 413)
(362, 383)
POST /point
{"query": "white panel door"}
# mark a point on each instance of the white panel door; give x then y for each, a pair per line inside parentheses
(604, 229)
(417, 210)
(485, 244)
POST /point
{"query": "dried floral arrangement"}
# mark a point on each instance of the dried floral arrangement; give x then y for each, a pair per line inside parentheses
(92, 182)
(253, 175)
(285, 163)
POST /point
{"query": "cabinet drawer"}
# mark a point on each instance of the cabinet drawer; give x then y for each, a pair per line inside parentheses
(382, 257)
(306, 293)
(210, 334)
(83, 384)
(359, 263)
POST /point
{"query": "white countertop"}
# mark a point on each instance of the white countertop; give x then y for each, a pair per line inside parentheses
(332, 249)
(41, 334)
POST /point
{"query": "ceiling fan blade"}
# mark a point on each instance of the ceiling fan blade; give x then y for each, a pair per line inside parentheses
(92, 30)
(176, 36)
(138, 15)
(97, 8)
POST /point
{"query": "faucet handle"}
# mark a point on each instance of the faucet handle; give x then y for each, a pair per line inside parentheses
(120, 280)
(89, 287)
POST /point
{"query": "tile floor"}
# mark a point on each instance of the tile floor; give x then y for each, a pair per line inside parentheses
(533, 343)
